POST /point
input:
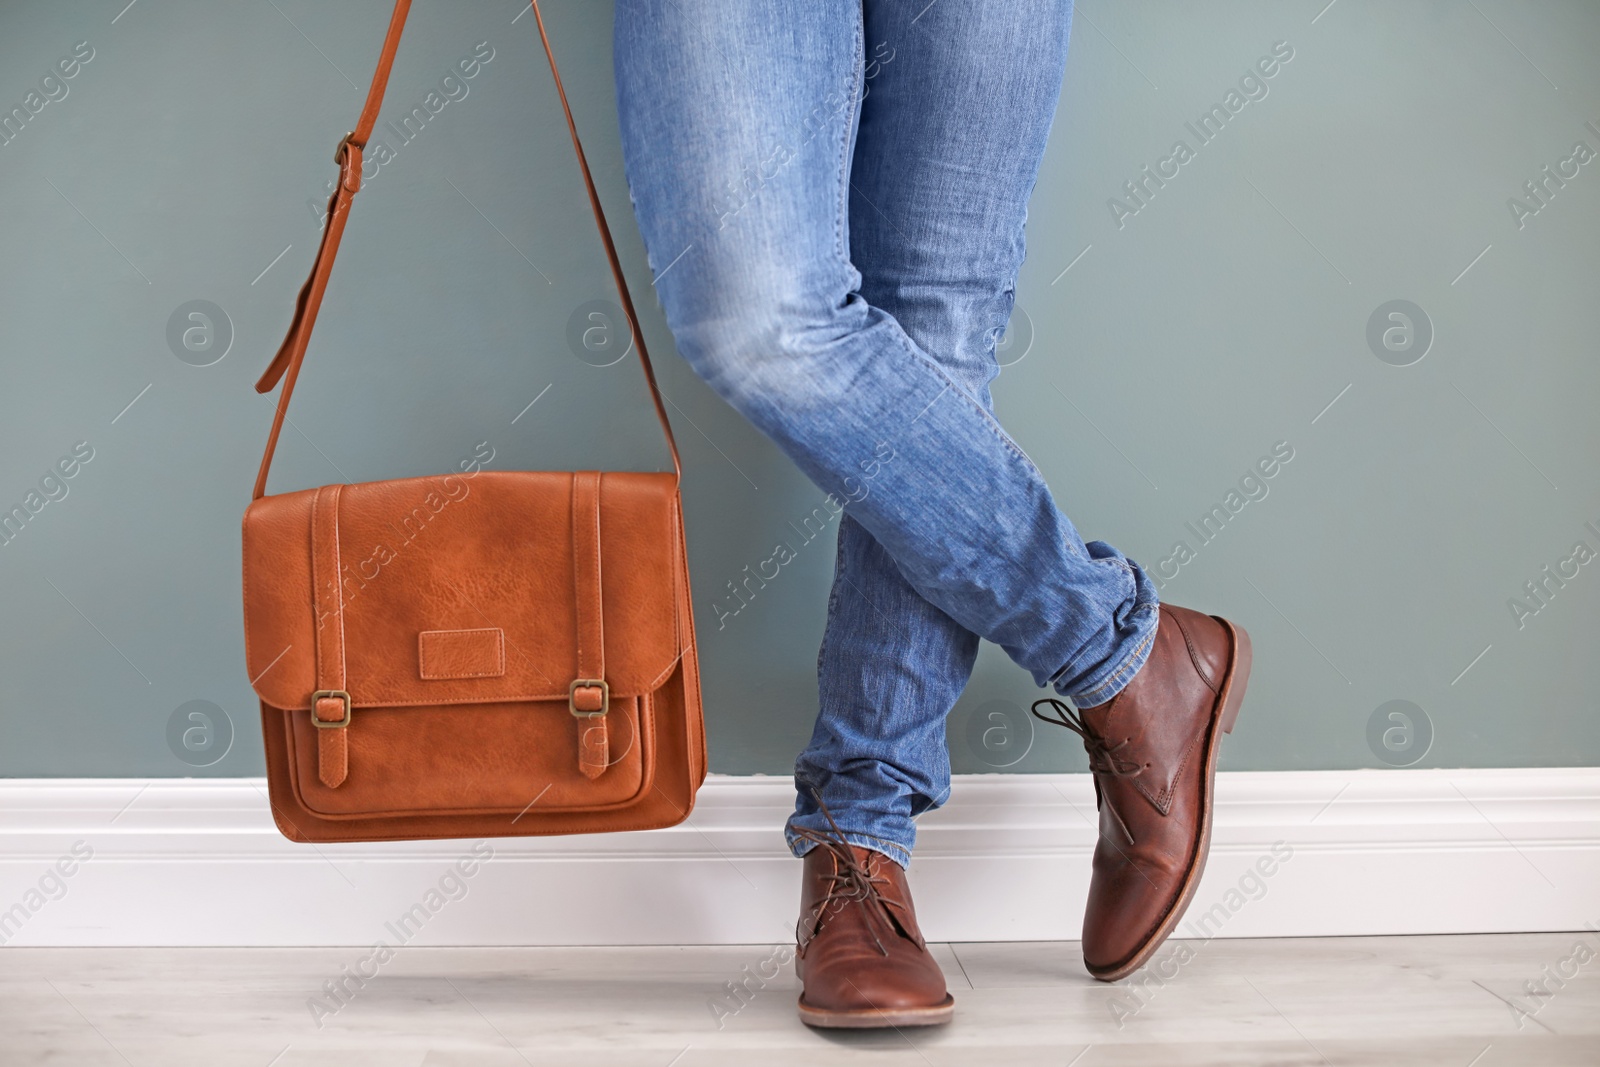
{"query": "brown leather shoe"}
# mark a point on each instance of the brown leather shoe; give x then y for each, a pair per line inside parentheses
(1153, 750)
(859, 954)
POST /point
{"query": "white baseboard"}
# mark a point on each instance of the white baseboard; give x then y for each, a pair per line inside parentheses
(198, 862)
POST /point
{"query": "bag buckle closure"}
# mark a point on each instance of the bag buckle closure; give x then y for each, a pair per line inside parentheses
(330, 694)
(587, 712)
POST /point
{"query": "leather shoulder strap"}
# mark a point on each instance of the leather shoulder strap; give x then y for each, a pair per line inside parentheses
(286, 364)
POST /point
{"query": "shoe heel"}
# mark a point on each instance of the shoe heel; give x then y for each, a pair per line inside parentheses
(1238, 675)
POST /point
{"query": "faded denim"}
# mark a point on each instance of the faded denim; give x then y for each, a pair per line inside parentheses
(832, 195)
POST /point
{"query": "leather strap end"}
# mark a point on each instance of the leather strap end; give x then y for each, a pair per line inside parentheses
(333, 757)
(333, 746)
(280, 362)
(594, 746)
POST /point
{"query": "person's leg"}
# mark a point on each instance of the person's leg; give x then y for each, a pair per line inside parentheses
(957, 108)
(737, 123)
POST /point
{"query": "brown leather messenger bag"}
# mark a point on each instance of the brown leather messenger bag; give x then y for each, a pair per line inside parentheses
(494, 654)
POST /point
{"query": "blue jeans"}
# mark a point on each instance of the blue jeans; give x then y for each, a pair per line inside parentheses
(832, 196)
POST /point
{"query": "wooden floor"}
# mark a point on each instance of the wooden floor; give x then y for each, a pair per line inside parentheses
(1451, 1001)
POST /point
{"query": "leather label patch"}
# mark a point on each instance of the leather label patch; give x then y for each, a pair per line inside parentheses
(462, 653)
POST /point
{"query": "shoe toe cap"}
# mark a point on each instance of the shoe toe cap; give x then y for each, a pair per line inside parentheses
(882, 984)
(1123, 914)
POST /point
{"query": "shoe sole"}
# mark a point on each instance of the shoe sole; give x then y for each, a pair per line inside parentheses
(876, 1018)
(1224, 714)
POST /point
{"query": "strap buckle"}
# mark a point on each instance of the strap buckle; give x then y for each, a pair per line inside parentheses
(588, 683)
(337, 724)
(349, 170)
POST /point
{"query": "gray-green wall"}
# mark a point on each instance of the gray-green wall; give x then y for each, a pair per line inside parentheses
(1228, 313)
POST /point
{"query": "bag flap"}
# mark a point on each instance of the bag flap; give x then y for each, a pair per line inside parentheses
(463, 589)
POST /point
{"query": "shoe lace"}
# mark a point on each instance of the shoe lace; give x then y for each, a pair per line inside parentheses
(1103, 756)
(851, 882)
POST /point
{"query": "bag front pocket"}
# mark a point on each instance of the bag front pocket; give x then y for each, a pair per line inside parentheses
(505, 758)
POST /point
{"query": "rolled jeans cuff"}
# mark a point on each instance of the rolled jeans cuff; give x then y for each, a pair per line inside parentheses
(895, 850)
(1108, 683)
